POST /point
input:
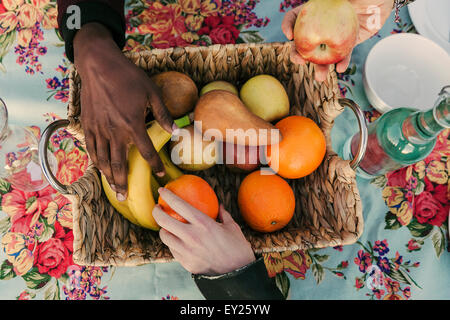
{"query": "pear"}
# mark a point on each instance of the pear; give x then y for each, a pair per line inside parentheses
(219, 85)
(222, 115)
(266, 97)
(193, 153)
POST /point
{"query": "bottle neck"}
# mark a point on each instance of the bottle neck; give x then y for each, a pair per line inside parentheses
(422, 127)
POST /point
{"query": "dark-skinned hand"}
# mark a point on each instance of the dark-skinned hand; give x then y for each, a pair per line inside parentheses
(115, 97)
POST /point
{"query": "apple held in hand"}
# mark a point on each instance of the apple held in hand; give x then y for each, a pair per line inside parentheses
(326, 31)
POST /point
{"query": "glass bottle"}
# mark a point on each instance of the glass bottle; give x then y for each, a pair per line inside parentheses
(19, 159)
(401, 137)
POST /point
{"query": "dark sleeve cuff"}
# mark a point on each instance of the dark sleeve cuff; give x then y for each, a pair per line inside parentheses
(250, 282)
(94, 11)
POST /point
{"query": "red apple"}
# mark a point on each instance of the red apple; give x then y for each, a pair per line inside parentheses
(240, 158)
(326, 31)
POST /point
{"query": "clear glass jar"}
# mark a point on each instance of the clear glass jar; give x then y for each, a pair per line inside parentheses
(19, 158)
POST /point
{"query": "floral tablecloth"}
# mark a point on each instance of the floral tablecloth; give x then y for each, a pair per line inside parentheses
(402, 254)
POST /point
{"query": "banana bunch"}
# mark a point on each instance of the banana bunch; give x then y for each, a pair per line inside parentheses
(142, 184)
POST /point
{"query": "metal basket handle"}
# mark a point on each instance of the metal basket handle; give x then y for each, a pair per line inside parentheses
(43, 143)
(354, 163)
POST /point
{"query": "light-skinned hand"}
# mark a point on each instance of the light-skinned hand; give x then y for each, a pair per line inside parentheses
(203, 245)
(370, 21)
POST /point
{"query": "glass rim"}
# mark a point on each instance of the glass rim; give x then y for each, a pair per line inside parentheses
(3, 119)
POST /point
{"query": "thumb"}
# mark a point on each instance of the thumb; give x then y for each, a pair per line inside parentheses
(342, 66)
(288, 23)
(159, 109)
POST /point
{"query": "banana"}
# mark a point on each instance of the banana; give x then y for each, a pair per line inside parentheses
(172, 171)
(121, 207)
(158, 135)
(155, 186)
(140, 196)
(140, 201)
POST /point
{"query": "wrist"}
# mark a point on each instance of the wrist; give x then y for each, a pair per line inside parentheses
(243, 263)
(92, 41)
(227, 272)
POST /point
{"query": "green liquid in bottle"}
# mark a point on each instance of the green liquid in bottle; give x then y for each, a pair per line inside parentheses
(401, 137)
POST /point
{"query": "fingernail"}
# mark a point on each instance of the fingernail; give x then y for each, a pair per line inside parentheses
(113, 186)
(160, 189)
(120, 197)
(161, 174)
(175, 130)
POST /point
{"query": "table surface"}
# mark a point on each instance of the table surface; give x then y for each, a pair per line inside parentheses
(405, 238)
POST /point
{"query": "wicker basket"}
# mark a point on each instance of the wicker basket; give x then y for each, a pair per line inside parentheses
(328, 206)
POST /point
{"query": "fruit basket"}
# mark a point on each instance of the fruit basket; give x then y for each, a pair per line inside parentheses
(328, 207)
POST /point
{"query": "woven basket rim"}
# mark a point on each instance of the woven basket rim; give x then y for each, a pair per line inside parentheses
(75, 127)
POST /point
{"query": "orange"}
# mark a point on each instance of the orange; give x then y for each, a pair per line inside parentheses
(195, 191)
(301, 149)
(266, 202)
